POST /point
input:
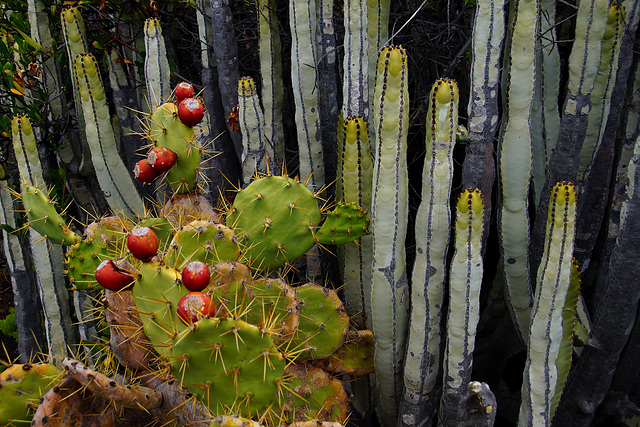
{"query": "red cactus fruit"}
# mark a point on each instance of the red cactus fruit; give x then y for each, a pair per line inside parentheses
(195, 306)
(144, 172)
(109, 276)
(190, 111)
(183, 90)
(161, 159)
(143, 243)
(196, 275)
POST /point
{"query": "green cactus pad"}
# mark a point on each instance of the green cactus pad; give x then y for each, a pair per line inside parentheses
(157, 293)
(323, 323)
(313, 394)
(276, 217)
(345, 224)
(44, 218)
(230, 365)
(354, 358)
(233, 421)
(166, 130)
(21, 388)
(275, 308)
(81, 262)
(202, 241)
(109, 230)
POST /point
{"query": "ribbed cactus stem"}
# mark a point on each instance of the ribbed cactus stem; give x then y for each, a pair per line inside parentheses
(602, 89)
(433, 224)
(156, 65)
(545, 337)
(256, 146)
(464, 305)
(515, 162)
(271, 72)
(355, 88)
(47, 257)
(302, 17)
(356, 173)
(389, 209)
(114, 178)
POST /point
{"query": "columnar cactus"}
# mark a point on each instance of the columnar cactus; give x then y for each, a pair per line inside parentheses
(389, 286)
(156, 65)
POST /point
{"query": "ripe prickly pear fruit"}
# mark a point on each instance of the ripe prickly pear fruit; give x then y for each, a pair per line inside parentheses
(195, 306)
(190, 111)
(196, 275)
(183, 90)
(143, 172)
(143, 243)
(161, 159)
(109, 276)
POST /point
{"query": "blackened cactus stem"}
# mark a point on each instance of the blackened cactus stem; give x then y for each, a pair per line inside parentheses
(271, 72)
(389, 210)
(546, 331)
(464, 305)
(478, 170)
(156, 65)
(432, 230)
(515, 163)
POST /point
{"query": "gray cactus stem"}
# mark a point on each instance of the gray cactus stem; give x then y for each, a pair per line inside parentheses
(594, 199)
(590, 378)
(225, 49)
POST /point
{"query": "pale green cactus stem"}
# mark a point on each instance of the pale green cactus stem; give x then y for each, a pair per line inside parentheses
(464, 305)
(48, 258)
(271, 72)
(515, 163)
(601, 93)
(546, 331)
(156, 65)
(479, 167)
(355, 87)
(356, 175)
(378, 35)
(114, 178)
(256, 146)
(433, 224)
(25, 298)
(544, 113)
(76, 43)
(389, 210)
(302, 17)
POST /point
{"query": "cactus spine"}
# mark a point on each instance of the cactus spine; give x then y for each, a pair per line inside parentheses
(433, 223)
(464, 305)
(515, 163)
(546, 330)
(389, 209)
(113, 176)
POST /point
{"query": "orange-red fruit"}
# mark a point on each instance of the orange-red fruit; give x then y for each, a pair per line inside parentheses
(161, 159)
(195, 306)
(196, 275)
(109, 276)
(143, 243)
(190, 111)
(144, 172)
(183, 90)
